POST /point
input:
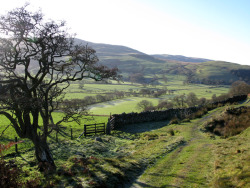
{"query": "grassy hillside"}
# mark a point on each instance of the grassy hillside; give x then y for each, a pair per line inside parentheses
(205, 160)
(132, 61)
(180, 58)
(156, 154)
(218, 70)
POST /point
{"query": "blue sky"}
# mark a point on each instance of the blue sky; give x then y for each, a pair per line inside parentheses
(230, 17)
(213, 29)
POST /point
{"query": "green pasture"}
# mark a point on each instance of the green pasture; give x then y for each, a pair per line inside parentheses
(118, 106)
(73, 92)
(69, 95)
(201, 90)
(112, 87)
(175, 84)
(148, 154)
(126, 105)
(8, 133)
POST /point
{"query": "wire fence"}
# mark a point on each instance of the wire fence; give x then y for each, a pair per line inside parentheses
(56, 136)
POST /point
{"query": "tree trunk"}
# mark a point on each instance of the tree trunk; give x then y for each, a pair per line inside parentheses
(44, 156)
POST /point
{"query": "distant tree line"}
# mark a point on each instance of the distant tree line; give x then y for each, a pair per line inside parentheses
(152, 93)
(140, 78)
(190, 100)
(179, 101)
(90, 100)
(243, 74)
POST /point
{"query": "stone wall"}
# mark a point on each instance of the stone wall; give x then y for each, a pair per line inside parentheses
(123, 119)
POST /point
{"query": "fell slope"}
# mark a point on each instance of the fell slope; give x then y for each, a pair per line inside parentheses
(126, 59)
(204, 161)
(151, 154)
(181, 58)
(130, 61)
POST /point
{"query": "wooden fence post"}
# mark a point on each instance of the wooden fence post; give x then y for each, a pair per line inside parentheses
(71, 133)
(108, 129)
(56, 135)
(16, 145)
(85, 130)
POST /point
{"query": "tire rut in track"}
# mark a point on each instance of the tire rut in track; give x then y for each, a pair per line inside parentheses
(180, 178)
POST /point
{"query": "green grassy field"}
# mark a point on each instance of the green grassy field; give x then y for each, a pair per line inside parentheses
(9, 134)
(141, 155)
(126, 105)
(153, 154)
(146, 155)
(204, 160)
(118, 106)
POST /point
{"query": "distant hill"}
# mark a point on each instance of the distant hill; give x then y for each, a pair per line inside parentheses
(180, 58)
(126, 59)
(220, 72)
(199, 70)
(108, 51)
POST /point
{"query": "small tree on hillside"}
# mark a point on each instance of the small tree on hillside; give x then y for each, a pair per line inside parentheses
(144, 105)
(192, 99)
(164, 105)
(180, 100)
(239, 88)
(202, 101)
(214, 98)
(38, 61)
(137, 78)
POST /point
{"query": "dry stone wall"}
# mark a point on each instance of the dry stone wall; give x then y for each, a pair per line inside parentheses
(118, 120)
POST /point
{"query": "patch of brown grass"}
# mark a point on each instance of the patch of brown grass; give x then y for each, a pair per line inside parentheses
(231, 122)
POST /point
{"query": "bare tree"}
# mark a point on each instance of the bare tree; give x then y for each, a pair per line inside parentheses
(38, 61)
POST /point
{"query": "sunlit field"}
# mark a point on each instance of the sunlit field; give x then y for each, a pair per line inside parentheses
(119, 106)
(128, 104)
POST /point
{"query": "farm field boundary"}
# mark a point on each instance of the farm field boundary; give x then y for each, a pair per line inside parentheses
(119, 120)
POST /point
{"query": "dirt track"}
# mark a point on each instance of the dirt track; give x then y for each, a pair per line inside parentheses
(183, 167)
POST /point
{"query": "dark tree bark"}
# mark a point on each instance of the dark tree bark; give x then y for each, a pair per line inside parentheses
(38, 61)
(43, 154)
